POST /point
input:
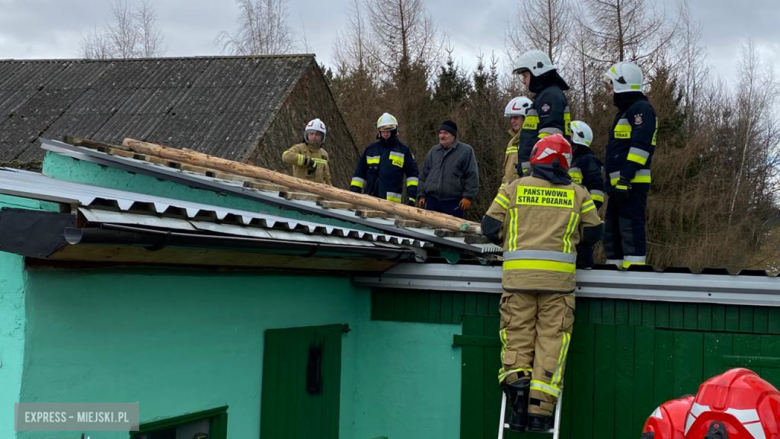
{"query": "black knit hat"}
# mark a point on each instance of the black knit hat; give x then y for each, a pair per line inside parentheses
(449, 126)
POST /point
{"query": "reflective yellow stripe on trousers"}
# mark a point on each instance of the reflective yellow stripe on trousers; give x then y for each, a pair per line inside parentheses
(502, 374)
(546, 388)
(558, 376)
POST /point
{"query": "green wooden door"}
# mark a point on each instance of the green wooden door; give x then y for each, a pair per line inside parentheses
(616, 375)
(302, 382)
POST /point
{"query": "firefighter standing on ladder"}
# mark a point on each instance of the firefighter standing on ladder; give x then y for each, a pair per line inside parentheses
(539, 220)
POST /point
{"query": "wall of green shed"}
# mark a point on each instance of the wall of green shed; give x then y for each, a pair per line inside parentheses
(12, 320)
(626, 356)
(182, 341)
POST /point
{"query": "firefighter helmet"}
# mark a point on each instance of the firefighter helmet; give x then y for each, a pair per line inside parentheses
(534, 61)
(737, 404)
(551, 149)
(625, 77)
(668, 420)
(581, 134)
(317, 126)
(386, 122)
(518, 107)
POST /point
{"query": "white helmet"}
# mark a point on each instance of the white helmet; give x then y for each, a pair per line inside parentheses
(386, 120)
(518, 107)
(581, 134)
(534, 61)
(315, 125)
(625, 76)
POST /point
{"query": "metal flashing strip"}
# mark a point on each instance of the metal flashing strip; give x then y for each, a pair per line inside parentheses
(33, 185)
(605, 284)
(271, 198)
(110, 217)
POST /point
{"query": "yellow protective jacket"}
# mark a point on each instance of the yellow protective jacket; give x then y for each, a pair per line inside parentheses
(298, 155)
(510, 159)
(540, 225)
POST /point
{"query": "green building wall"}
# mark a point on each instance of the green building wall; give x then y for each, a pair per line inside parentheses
(183, 341)
(12, 323)
(626, 356)
(12, 320)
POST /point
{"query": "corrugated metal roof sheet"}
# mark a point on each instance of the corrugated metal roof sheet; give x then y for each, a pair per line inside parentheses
(216, 105)
(236, 188)
(37, 186)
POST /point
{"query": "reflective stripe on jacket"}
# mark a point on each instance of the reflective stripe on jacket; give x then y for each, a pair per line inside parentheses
(543, 224)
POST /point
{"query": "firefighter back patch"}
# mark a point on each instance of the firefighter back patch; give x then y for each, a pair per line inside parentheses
(540, 196)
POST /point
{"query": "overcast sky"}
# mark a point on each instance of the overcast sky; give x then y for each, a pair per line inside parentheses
(54, 28)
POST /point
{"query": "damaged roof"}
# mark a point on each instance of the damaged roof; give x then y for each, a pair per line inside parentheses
(220, 106)
(454, 242)
(103, 205)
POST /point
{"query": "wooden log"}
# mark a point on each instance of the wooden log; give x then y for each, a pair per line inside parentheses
(370, 213)
(407, 223)
(300, 196)
(327, 204)
(92, 144)
(121, 153)
(197, 169)
(263, 186)
(435, 219)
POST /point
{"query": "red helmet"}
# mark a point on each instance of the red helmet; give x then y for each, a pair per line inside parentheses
(552, 148)
(668, 420)
(737, 404)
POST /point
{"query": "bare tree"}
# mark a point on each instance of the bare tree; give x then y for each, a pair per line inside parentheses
(150, 34)
(694, 70)
(353, 46)
(95, 45)
(123, 33)
(129, 34)
(583, 70)
(625, 30)
(757, 94)
(542, 25)
(409, 36)
(262, 29)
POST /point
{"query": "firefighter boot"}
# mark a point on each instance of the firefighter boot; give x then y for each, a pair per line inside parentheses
(517, 397)
(540, 423)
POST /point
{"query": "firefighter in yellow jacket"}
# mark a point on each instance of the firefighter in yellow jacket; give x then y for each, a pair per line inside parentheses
(515, 110)
(309, 159)
(539, 219)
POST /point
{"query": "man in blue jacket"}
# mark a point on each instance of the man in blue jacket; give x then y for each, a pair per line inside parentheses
(449, 180)
(381, 170)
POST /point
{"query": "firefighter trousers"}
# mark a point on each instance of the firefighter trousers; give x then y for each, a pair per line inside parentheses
(535, 335)
(625, 228)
